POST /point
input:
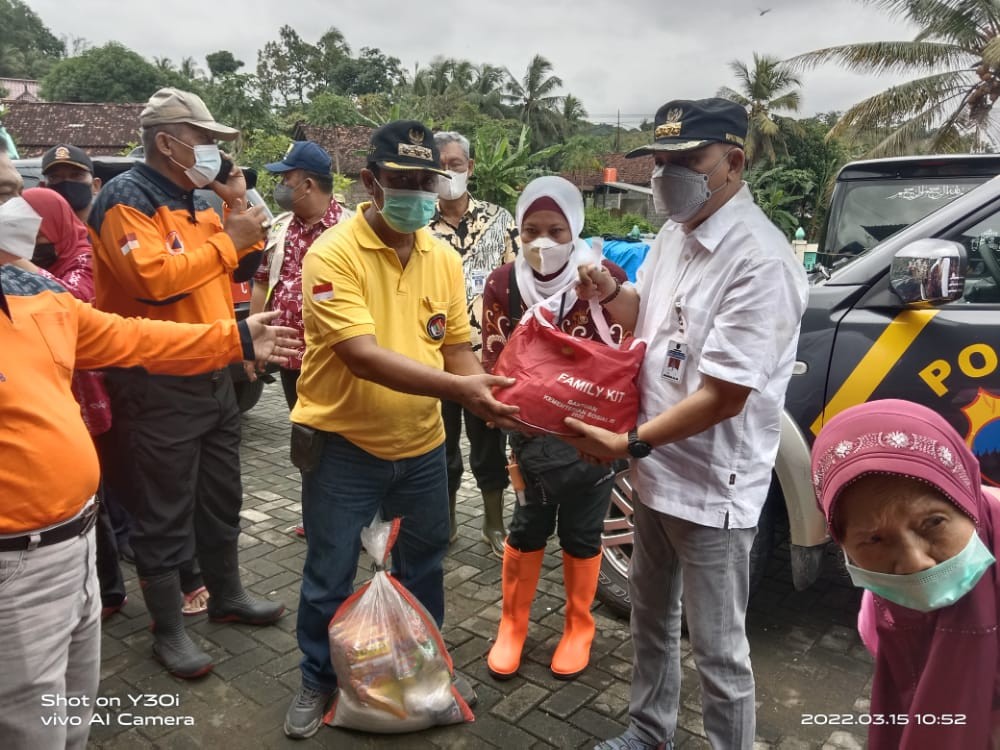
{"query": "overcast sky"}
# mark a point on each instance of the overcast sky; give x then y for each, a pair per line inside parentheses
(627, 55)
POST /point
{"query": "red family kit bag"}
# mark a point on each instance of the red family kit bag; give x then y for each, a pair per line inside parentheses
(559, 375)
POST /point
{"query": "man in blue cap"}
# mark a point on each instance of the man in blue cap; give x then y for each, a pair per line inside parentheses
(306, 195)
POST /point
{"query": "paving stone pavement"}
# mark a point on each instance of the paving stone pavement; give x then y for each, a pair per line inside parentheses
(806, 654)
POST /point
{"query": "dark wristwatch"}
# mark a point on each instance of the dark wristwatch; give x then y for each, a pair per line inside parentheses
(638, 448)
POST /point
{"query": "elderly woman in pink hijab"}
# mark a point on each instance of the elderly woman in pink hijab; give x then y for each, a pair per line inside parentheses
(903, 497)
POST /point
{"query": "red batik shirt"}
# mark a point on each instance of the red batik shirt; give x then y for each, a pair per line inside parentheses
(75, 272)
(497, 328)
(287, 295)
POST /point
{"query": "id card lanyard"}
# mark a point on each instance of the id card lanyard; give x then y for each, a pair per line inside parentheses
(677, 346)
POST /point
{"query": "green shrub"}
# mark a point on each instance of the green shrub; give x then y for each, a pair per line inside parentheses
(600, 222)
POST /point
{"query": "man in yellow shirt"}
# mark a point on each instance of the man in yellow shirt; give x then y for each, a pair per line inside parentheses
(387, 337)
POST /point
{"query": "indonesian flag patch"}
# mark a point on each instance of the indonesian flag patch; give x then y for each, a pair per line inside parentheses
(323, 292)
(128, 243)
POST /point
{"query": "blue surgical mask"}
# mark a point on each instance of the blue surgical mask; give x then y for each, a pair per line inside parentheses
(934, 588)
(406, 211)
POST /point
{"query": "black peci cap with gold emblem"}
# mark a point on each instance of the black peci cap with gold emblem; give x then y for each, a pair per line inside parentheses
(405, 144)
(66, 154)
(684, 125)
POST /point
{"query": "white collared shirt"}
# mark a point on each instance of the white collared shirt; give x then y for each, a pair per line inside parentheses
(734, 293)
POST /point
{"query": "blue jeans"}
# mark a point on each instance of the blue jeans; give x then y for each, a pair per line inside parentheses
(339, 498)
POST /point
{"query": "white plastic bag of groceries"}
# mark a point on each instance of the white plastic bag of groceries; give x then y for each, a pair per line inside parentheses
(393, 670)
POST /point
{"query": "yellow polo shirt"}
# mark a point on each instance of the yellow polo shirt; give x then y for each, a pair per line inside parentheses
(353, 285)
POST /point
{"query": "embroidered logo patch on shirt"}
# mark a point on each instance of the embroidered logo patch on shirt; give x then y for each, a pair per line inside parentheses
(128, 243)
(323, 292)
(175, 246)
(436, 326)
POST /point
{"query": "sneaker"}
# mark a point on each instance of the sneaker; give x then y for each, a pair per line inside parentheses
(630, 740)
(465, 690)
(305, 714)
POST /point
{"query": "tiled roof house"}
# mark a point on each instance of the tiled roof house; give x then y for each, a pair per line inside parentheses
(97, 128)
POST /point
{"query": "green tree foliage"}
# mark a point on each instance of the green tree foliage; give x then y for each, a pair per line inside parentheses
(503, 168)
(535, 100)
(955, 61)
(111, 73)
(573, 115)
(260, 147)
(235, 100)
(27, 48)
(295, 70)
(600, 222)
(222, 63)
(284, 67)
(330, 109)
(370, 72)
(189, 70)
(783, 195)
(579, 153)
(808, 148)
(765, 88)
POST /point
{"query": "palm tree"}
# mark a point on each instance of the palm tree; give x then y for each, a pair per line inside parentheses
(957, 54)
(764, 89)
(435, 79)
(573, 114)
(535, 101)
(486, 89)
(189, 69)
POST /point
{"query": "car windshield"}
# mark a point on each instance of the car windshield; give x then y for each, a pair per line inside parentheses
(865, 213)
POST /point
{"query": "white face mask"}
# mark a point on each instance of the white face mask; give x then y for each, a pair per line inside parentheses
(545, 256)
(455, 188)
(18, 227)
(207, 163)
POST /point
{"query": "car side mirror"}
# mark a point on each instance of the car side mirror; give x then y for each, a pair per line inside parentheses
(929, 271)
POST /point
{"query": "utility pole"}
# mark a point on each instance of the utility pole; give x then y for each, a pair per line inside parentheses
(618, 133)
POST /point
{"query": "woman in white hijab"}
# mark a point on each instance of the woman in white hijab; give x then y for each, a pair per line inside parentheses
(563, 494)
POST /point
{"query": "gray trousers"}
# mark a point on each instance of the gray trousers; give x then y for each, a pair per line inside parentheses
(712, 569)
(50, 645)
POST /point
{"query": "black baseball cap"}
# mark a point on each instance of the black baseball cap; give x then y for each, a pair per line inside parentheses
(685, 124)
(66, 154)
(405, 144)
(306, 155)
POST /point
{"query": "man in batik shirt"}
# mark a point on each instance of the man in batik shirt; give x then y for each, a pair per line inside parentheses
(485, 235)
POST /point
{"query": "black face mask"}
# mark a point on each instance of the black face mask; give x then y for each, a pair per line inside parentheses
(77, 194)
(44, 255)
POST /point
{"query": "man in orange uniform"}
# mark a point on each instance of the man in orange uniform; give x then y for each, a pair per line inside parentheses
(50, 618)
(163, 253)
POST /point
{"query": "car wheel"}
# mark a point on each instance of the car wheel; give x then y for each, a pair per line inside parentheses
(616, 547)
(618, 536)
(248, 394)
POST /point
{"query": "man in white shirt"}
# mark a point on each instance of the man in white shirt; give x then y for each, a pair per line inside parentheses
(718, 300)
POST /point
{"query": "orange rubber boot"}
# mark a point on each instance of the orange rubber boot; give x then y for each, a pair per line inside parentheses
(520, 579)
(580, 576)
